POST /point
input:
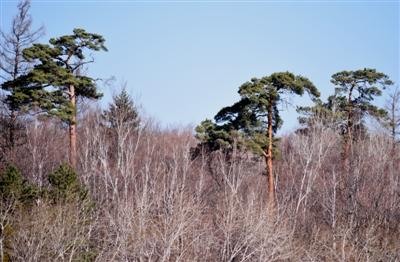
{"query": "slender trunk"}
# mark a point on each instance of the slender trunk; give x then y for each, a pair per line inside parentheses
(271, 186)
(13, 115)
(1, 246)
(346, 152)
(72, 128)
(349, 135)
(393, 124)
(13, 120)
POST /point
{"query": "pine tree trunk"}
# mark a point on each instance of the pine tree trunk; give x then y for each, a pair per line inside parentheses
(349, 135)
(271, 187)
(13, 121)
(346, 151)
(394, 125)
(72, 128)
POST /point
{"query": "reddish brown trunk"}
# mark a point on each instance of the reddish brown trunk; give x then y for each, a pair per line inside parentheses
(346, 154)
(349, 136)
(271, 186)
(72, 129)
(347, 148)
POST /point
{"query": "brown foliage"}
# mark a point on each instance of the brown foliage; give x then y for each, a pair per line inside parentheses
(153, 202)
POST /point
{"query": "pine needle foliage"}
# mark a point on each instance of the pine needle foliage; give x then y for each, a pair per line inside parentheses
(122, 112)
(65, 185)
(245, 122)
(45, 88)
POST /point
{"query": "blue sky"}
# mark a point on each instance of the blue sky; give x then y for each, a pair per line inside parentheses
(184, 60)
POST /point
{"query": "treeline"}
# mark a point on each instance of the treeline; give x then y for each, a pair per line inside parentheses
(79, 183)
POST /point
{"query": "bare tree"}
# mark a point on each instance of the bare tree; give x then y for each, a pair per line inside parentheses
(12, 63)
(393, 108)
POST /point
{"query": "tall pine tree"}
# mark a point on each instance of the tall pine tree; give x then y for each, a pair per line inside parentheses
(54, 83)
(254, 119)
(357, 89)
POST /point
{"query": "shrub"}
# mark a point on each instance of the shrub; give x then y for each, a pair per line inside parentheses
(65, 185)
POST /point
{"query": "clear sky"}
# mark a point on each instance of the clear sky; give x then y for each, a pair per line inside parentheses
(184, 60)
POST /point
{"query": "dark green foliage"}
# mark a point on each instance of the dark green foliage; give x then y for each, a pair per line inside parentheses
(11, 131)
(244, 124)
(14, 188)
(215, 137)
(347, 108)
(46, 87)
(122, 112)
(327, 115)
(65, 185)
(356, 90)
(13, 65)
(11, 184)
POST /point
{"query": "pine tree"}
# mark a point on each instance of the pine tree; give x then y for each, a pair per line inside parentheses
(322, 115)
(122, 123)
(357, 89)
(253, 121)
(54, 83)
(11, 184)
(122, 112)
(65, 185)
(15, 189)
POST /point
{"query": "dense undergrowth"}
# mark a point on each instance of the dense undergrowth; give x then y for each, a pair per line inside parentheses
(141, 195)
